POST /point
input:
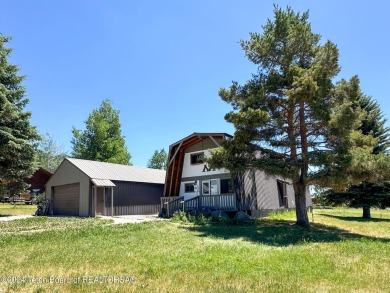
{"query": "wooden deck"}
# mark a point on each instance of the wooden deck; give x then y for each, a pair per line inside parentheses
(226, 202)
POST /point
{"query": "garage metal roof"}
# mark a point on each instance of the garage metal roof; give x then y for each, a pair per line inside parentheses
(110, 171)
(102, 182)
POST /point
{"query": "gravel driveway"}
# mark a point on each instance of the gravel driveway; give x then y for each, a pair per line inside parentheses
(9, 218)
(117, 219)
(133, 218)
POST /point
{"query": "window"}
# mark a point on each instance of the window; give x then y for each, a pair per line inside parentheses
(282, 190)
(227, 186)
(189, 187)
(197, 158)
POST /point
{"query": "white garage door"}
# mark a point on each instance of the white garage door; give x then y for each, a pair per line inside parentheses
(67, 199)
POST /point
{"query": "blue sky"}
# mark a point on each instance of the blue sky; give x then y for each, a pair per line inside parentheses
(163, 62)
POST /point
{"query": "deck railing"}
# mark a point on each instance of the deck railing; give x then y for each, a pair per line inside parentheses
(226, 202)
(165, 199)
(172, 204)
(192, 204)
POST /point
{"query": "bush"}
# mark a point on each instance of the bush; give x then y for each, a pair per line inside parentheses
(40, 198)
(191, 217)
(179, 216)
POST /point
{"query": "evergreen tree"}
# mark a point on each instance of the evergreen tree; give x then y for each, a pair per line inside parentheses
(17, 135)
(102, 139)
(290, 115)
(158, 160)
(368, 194)
(375, 123)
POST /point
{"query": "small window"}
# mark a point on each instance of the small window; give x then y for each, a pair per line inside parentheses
(197, 158)
(282, 191)
(227, 186)
(189, 187)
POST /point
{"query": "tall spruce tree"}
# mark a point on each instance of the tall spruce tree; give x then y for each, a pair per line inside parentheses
(375, 123)
(17, 135)
(158, 160)
(102, 139)
(290, 115)
(368, 194)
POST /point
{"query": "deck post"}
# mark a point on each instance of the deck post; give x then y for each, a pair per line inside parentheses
(112, 201)
(94, 193)
(105, 211)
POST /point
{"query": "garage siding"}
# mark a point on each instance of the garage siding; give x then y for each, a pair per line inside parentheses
(67, 200)
(67, 174)
(134, 198)
(135, 193)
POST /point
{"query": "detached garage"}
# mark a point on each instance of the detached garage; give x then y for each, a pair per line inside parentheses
(89, 188)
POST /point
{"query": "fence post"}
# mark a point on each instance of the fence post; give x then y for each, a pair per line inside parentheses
(167, 203)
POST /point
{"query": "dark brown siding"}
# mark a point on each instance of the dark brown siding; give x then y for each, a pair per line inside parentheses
(38, 180)
(66, 200)
(134, 193)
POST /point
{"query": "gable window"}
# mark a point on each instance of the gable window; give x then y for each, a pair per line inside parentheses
(197, 158)
(189, 187)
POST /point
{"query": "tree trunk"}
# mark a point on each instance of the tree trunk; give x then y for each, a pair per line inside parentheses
(366, 212)
(301, 184)
(238, 179)
(300, 204)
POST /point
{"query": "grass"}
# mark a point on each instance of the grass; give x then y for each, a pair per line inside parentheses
(7, 209)
(42, 224)
(338, 254)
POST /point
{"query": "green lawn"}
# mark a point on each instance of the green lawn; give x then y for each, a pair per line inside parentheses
(7, 209)
(338, 254)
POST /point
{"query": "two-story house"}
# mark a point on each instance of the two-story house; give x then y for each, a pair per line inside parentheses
(191, 183)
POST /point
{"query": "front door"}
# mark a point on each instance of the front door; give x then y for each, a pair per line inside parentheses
(210, 187)
(99, 201)
(205, 187)
(214, 186)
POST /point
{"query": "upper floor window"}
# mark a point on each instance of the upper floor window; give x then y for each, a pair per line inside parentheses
(197, 158)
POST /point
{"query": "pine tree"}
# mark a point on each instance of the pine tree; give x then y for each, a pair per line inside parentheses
(158, 160)
(102, 139)
(17, 135)
(368, 194)
(290, 115)
(375, 123)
